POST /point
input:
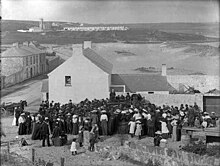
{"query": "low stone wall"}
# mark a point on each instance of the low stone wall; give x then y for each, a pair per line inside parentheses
(165, 156)
(175, 99)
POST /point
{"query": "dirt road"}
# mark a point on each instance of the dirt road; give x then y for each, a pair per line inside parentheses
(29, 90)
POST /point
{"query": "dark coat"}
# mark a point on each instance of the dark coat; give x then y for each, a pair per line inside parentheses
(45, 129)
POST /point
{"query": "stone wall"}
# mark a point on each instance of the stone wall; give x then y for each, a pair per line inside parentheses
(13, 79)
(203, 83)
(165, 156)
(175, 99)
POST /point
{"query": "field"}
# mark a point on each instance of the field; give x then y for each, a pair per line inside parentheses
(180, 58)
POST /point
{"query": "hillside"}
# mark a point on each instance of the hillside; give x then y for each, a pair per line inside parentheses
(138, 33)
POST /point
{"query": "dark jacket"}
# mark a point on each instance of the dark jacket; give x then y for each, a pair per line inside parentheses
(45, 129)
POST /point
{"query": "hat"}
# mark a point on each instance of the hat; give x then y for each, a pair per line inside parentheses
(158, 132)
(138, 122)
(68, 114)
(74, 116)
(123, 112)
(94, 111)
(138, 118)
(118, 110)
(23, 113)
(136, 110)
(130, 110)
(58, 118)
(103, 111)
(206, 113)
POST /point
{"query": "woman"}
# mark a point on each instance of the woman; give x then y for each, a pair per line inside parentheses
(174, 134)
(164, 128)
(75, 125)
(22, 125)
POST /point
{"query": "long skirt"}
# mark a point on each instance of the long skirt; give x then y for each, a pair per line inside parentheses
(104, 127)
(36, 132)
(86, 137)
(178, 134)
(75, 129)
(151, 131)
(22, 129)
(174, 134)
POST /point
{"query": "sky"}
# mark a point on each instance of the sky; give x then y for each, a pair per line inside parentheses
(112, 11)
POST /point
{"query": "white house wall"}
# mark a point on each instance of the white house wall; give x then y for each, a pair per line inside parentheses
(87, 81)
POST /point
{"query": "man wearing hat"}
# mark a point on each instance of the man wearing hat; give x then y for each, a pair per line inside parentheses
(68, 123)
(45, 132)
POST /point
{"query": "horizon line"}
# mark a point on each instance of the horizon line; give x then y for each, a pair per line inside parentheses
(109, 23)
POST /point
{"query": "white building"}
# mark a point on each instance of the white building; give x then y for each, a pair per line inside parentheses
(87, 75)
(84, 75)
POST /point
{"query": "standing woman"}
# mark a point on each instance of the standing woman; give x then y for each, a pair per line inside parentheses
(104, 122)
(174, 131)
(179, 128)
(75, 125)
(22, 125)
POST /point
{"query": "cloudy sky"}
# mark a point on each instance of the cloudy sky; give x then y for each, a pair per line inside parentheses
(112, 11)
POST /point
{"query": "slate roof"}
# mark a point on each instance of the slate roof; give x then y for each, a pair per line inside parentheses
(141, 82)
(21, 51)
(98, 60)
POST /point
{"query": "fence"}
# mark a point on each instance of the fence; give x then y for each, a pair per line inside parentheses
(41, 162)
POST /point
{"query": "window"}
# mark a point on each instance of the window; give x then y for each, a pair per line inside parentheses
(117, 88)
(67, 80)
(31, 60)
(150, 92)
(36, 58)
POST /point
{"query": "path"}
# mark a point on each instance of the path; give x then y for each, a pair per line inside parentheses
(29, 90)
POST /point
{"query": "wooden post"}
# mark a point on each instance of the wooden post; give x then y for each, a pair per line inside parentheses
(8, 150)
(62, 161)
(33, 155)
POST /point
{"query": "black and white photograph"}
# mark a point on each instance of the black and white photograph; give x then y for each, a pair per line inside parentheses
(110, 83)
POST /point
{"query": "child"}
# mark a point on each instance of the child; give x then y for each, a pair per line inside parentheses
(73, 147)
(92, 141)
(132, 127)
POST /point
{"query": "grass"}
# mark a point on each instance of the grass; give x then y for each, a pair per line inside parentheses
(14, 160)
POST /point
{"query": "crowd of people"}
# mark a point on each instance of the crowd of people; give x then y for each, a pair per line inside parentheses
(117, 115)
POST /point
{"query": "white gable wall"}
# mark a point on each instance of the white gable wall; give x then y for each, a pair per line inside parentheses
(87, 81)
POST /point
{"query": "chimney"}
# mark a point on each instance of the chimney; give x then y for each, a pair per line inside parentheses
(164, 70)
(87, 44)
(26, 43)
(16, 45)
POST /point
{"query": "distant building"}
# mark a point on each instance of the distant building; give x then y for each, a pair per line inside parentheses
(97, 28)
(22, 62)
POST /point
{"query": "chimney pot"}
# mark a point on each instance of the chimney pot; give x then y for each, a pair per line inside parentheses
(164, 70)
(87, 44)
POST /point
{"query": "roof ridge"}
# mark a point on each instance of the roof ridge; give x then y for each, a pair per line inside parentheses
(98, 60)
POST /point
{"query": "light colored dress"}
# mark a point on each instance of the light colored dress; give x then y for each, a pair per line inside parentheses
(164, 128)
(73, 147)
(138, 130)
(132, 127)
(174, 135)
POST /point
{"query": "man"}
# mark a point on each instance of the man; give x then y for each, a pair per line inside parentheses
(112, 95)
(45, 132)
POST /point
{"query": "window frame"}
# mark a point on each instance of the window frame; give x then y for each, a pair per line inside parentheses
(65, 79)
